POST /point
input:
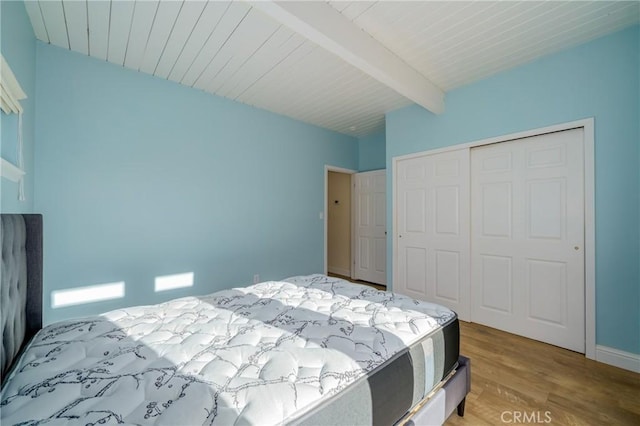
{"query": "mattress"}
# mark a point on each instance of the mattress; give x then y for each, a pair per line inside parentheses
(303, 350)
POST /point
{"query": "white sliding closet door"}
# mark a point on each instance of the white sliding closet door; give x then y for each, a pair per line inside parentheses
(432, 199)
(527, 244)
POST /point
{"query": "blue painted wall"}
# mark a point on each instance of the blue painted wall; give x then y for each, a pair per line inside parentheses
(372, 151)
(140, 177)
(19, 49)
(599, 79)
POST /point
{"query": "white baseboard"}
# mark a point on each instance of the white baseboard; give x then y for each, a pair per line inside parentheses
(339, 271)
(618, 358)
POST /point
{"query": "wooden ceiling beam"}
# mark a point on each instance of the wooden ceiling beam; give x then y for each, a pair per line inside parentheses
(328, 28)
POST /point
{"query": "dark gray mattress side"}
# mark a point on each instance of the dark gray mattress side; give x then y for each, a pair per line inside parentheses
(392, 389)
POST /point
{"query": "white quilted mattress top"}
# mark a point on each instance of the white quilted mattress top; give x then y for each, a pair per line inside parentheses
(264, 354)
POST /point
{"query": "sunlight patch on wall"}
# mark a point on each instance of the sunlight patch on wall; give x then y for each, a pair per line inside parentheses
(170, 282)
(88, 294)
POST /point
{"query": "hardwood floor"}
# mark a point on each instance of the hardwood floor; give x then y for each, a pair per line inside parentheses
(515, 380)
(376, 286)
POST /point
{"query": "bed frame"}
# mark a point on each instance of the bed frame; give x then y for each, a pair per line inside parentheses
(436, 408)
(21, 314)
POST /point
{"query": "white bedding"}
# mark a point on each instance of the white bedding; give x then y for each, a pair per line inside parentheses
(264, 354)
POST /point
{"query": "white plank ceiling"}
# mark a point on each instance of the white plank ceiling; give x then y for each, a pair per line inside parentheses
(235, 50)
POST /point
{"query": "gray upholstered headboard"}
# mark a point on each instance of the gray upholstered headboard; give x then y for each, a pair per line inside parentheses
(21, 284)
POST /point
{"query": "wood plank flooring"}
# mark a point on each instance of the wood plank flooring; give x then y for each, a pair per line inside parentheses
(515, 380)
(376, 286)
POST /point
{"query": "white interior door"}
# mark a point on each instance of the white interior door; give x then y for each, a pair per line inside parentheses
(527, 246)
(370, 226)
(432, 200)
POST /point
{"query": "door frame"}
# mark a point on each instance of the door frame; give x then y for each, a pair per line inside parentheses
(587, 125)
(328, 168)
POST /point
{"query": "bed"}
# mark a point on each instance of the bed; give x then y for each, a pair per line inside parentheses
(305, 350)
